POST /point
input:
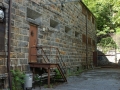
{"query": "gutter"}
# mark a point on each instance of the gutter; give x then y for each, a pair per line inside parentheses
(86, 43)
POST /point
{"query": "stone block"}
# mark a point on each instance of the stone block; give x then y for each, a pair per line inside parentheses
(2, 61)
(15, 30)
(26, 38)
(57, 40)
(23, 61)
(13, 55)
(3, 69)
(14, 62)
(18, 68)
(25, 68)
(63, 52)
(20, 55)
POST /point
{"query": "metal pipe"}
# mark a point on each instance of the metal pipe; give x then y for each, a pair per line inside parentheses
(86, 42)
(8, 46)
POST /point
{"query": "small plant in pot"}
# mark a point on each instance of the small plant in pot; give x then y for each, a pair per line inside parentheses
(17, 79)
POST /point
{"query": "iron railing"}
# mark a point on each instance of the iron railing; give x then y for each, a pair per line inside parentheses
(47, 53)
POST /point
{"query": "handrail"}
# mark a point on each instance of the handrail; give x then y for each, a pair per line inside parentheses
(42, 55)
(45, 54)
(63, 65)
(58, 56)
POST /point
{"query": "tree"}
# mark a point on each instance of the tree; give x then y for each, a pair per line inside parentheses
(107, 14)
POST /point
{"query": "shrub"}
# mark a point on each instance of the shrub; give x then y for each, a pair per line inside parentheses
(17, 79)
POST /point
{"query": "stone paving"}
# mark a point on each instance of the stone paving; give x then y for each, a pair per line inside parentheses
(97, 79)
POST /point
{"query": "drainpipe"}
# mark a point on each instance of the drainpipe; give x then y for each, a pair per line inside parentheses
(86, 42)
(8, 46)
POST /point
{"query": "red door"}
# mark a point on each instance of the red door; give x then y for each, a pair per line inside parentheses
(33, 44)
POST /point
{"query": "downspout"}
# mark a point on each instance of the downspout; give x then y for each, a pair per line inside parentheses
(96, 42)
(86, 42)
(8, 46)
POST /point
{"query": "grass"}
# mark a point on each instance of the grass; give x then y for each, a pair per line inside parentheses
(46, 86)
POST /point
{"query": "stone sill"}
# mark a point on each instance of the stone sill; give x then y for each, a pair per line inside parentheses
(33, 21)
(68, 35)
(53, 29)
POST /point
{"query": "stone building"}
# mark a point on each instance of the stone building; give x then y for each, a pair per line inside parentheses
(69, 26)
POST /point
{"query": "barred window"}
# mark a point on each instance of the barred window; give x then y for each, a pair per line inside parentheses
(89, 40)
(2, 37)
(93, 42)
(84, 38)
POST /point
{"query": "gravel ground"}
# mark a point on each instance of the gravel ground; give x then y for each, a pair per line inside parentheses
(97, 79)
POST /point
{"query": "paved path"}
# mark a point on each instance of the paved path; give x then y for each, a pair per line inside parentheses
(97, 79)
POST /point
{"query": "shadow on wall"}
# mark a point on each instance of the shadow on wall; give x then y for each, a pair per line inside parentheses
(102, 60)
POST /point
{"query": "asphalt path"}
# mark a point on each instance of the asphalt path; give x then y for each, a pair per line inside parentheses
(96, 79)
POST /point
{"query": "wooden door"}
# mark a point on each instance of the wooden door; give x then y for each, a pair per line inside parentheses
(33, 44)
(95, 58)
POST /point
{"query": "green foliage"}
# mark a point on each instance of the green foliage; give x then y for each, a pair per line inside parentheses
(58, 75)
(117, 30)
(36, 77)
(107, 43)
(107, 14)
(17, 79)
(79, 71)
(46, 86)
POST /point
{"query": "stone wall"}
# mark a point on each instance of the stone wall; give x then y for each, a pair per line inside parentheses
(64, 28)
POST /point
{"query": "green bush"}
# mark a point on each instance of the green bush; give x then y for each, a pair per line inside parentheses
(17, 79)
(36, 77)
(58, 75)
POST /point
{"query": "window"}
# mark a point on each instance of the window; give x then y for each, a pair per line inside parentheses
(76, 34)
(84, 38)
(2, 37)
(89, 40)
(84, 11)
(67, 30)
(89, 16)
(93, 42)
(54, 24)
(33, 16)
(93, 20)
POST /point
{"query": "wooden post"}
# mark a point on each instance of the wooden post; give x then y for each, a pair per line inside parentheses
(49, 77)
